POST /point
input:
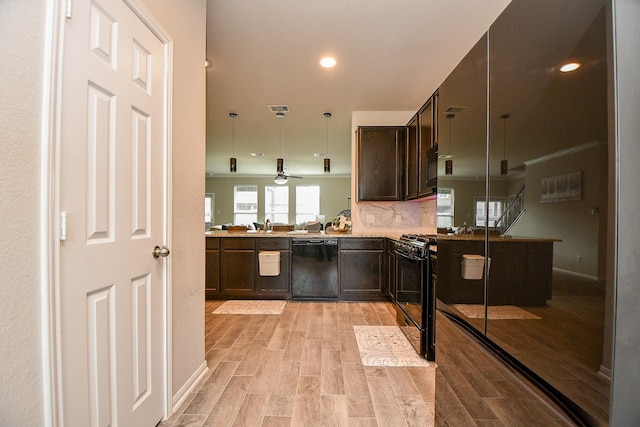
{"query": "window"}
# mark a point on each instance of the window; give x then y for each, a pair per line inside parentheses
(495, 209)
(209, 204)
(276, 204)
(245, 204)
(445, 207)
(307, 203)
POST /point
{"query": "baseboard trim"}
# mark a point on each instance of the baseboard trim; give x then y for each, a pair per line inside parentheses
(605, 373)
(189, 386)
(575, 273)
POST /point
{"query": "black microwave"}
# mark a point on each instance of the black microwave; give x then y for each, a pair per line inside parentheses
(431, 171)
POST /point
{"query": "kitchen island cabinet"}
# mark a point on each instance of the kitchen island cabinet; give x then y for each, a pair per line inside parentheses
(237, 267)
(279, 285)
(233, 267)
(212, 268)
(519, 274)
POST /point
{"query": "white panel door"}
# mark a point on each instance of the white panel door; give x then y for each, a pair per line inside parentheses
(112, 175)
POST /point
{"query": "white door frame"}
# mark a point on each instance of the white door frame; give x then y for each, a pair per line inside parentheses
(50, 207)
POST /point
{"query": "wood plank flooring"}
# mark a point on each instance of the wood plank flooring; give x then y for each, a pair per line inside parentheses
(303, 368)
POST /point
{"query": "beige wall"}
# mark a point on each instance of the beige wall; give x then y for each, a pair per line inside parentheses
(572, 222)
(185, 22)
(334, 194)
(22, 32)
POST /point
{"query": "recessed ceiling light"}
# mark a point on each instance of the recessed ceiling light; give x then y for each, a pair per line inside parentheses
(319, 154)
(257, 155)
(571, 66)
(328, 62)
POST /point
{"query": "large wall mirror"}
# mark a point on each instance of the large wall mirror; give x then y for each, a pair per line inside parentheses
(543, 300)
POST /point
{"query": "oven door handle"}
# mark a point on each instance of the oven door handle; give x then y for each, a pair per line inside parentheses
(407, 257)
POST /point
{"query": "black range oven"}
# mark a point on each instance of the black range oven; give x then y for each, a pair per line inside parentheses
(414, 294)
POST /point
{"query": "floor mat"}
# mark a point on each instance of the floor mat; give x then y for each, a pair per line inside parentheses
(386, 346)
(250, 307)
(496, 312)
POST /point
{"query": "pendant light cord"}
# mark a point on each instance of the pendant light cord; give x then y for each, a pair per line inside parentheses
(326, 151)
(504, 118)
(280, 119)
(450, 117)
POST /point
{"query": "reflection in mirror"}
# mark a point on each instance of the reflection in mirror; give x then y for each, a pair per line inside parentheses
(546, 292)
(462, 119)
(544, 206)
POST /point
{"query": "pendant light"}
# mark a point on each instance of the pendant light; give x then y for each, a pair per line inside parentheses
(233, 163)
(448, 164)
(280, 177)
(327, 160)
(504, 165)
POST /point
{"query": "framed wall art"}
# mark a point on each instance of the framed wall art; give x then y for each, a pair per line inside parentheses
(561, 188)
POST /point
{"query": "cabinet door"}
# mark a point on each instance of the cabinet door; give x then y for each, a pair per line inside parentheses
(391, 271)
(212, 267)
(276, 285)
(361, 275)
(212, 274)
(426, 141)
(412, 157)
(381, 152)
(237, 272)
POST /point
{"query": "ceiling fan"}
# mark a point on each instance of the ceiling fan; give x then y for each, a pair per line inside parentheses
(281, 177)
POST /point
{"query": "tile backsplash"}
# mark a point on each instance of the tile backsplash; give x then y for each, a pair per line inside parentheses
(395, 217)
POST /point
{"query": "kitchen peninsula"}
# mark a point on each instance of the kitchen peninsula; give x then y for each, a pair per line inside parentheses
(519, 272)
(353, 264)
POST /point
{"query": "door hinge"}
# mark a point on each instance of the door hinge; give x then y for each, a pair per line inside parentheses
(69, 6)
(63, 225)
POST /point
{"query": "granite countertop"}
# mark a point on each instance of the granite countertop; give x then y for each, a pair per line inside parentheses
(299, 234)
(503, 238)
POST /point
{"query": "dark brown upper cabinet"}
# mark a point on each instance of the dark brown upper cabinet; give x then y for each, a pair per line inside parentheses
(413, 158)
(381, 160)
(422, 152)
(428, 148)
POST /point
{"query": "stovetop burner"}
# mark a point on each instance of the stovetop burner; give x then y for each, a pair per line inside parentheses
(416, 245)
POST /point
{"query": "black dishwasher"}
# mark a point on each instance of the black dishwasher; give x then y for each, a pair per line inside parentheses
(314, 269)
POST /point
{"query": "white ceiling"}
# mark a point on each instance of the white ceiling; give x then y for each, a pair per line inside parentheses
(391, 56)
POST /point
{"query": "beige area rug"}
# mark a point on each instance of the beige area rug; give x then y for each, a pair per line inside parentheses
(250, 307)
(386, 346)
(496, 312)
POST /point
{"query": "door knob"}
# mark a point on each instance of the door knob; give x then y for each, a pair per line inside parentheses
(160, 252)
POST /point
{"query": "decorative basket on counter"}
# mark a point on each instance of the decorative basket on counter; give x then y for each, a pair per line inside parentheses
(342, 222)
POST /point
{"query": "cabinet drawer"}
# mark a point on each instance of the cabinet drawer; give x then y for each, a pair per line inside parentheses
(238, 243)
(356, 243)
(268, 243)
(212, 243)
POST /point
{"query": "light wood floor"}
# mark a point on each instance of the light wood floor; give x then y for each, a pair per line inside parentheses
(303, 368)
(564, 346)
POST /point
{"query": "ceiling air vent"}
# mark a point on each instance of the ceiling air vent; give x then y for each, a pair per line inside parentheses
(454, 110)
(279, 108)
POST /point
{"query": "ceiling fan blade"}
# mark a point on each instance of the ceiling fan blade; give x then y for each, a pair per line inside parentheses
(294, 176)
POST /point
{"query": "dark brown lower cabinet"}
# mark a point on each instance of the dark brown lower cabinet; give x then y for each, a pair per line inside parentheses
(233, 268)
(390, 283)
(280, 285)
(212, 268)
(362, 269)
(237, 266)
(519, 274)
